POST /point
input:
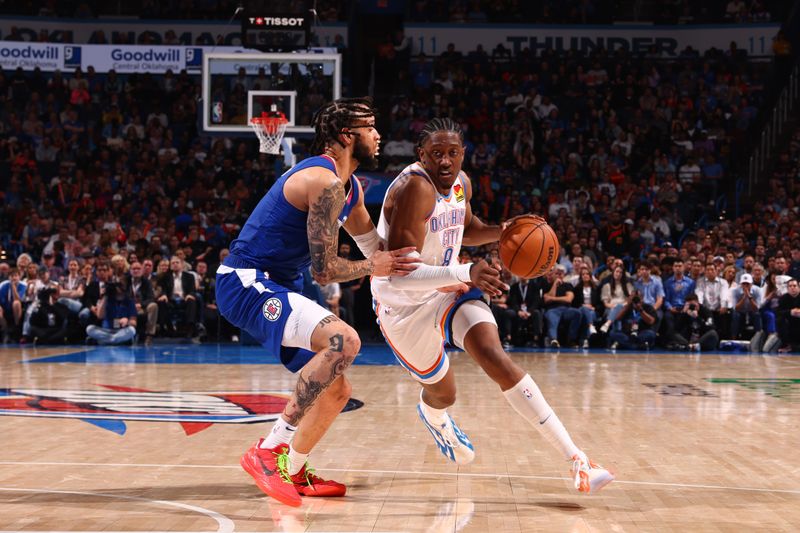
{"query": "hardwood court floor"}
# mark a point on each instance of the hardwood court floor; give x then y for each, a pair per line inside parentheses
(699, 443)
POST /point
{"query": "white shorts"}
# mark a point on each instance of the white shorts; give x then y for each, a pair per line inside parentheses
(417, 334)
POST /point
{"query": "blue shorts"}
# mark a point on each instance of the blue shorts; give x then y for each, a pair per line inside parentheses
(280, 319)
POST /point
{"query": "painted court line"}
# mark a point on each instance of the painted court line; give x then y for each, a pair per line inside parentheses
(224, 524)
(415, 473)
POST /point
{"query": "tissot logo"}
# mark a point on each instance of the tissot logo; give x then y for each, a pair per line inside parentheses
(195, 411)
(277, 21)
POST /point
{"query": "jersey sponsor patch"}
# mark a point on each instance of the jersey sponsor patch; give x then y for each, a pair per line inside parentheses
(272, 309)
(459, 190)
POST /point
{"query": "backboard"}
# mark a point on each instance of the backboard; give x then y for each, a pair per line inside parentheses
(238, 86)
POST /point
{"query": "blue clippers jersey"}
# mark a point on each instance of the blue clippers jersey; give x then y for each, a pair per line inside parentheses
(274, 239)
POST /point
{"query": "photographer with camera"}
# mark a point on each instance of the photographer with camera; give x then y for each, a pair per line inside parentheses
(117, 311)
(639, 321)
(34, 289)
(695, 329)
(48, 323)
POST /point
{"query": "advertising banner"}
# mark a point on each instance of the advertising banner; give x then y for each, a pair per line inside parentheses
(669, 41)
(151, 32)
(28, 56)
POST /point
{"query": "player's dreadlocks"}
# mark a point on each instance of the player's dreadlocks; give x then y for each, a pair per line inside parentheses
(439, 124)
(333, 117)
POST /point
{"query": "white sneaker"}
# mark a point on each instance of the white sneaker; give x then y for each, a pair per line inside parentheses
(452, 442)
(592, 329)
(605, 327)
(589, 477)
(771, 344)
(585, 344)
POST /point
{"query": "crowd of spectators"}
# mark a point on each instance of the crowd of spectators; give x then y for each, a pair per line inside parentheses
(116, 210)
(435, 11)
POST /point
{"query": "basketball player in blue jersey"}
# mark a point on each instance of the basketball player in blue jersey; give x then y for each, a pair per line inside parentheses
(296, 224)
(428, 207)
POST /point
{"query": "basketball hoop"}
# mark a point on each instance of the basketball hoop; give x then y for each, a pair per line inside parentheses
(269, 128)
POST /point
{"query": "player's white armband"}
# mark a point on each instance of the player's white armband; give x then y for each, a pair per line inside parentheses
(427, 277)
(368, 242)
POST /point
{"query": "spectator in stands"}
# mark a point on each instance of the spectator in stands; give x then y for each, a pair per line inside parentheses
(558, 296)
(789, 317)
(769, 307)
(95, 290)
(712, 295)
(746, 301)
(348, 289)
(73, 287)
(615, 295)
(676, 289)
(504, 316)
(782, 277)
(332, 294)
(399, 146)
(178, 297)
(651, 290)
(587, 300)
(143, 301)
(525, 301)
(12, 291)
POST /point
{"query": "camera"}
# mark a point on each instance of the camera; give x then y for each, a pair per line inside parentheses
(45, 294)
(636, 300)
(692, 307)
(116, 289)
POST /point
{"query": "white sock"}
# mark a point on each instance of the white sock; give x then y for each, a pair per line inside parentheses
(434, 416)
(296, 460)
(526, 399)
(282, 433)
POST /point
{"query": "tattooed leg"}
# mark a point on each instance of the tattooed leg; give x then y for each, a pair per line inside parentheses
(341, 346)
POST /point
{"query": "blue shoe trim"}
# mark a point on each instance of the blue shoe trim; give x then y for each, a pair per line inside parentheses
(460, 435)
(445, 448)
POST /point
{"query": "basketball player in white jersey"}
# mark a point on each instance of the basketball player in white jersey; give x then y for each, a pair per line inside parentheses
(427, 206)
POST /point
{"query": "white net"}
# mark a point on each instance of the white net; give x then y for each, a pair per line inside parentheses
(270, 130)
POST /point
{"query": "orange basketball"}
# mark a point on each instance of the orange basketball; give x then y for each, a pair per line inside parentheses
(529, 247)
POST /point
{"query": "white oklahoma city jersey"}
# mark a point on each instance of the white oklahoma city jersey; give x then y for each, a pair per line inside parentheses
(444, 230)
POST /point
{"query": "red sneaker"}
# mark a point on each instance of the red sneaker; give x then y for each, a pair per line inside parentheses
(268, 468)
(308, 483)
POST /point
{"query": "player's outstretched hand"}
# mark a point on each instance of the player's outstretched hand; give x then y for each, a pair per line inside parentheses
(394, 262)
(487, 278)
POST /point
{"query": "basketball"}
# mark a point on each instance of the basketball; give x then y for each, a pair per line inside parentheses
(529, 247)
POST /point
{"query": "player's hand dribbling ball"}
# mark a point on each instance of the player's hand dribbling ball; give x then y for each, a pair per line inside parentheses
(528, 246)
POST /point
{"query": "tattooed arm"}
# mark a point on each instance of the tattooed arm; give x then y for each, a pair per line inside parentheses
(326, 199)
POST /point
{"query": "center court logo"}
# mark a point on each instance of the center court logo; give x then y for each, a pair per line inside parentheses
(108, 409)
(272, 309)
